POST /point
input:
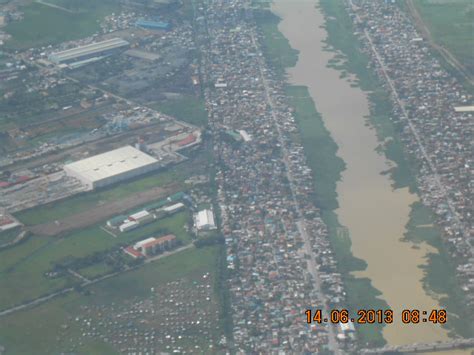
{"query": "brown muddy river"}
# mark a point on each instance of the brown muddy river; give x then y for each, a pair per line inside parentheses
(374, 213)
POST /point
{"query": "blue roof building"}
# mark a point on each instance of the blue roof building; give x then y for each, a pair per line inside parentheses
(154, 25)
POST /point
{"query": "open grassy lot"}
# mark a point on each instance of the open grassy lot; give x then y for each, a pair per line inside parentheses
(79, 203)
(43, 25)
(187, 108)
(57, 326)
(277, 48)
(22, 268)
(319, 146)
(451, 24)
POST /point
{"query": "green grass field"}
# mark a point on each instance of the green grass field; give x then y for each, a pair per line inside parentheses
(41, 330)
(278, 51)
(43, 25)
(188, 109)
(84, 201)
(451, 24)
(22, 267)
(320, 148)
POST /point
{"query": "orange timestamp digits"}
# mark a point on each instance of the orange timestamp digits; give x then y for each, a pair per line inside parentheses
(377, 316)
(416, 316)
(364, 316)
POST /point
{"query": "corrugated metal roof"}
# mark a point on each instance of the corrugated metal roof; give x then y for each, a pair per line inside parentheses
(88, 49)
(111, 163)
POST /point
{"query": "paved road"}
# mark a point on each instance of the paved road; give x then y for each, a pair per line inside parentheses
(54, 6)
(301, 225)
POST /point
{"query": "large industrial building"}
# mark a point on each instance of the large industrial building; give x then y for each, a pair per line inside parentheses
(93, 51)
(204, 220)
(111, 167)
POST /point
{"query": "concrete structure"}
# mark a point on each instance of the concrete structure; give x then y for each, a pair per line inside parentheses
(128, 226)
(151, 246)
(158, 245)
(111, 167)
(204, 220)
(245, 136)
(141, 217)
(464, 109)
(138, 245)
(90, 51)
(174, 208)
(133, 253)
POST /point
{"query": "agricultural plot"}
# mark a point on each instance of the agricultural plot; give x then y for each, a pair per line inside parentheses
(44, 24)
(451, 23)
(167, 305)
(42, 265)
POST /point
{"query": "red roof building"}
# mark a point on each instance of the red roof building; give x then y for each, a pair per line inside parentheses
(191, 138)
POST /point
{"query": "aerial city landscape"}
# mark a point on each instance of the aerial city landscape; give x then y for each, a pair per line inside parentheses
(236, 177)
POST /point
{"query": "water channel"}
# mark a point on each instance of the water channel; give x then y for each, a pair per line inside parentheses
(374, 213)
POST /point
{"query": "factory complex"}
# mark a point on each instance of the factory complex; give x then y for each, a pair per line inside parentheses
(111, 167)
(93, 51)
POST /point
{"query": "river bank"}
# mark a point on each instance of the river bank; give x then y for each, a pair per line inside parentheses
(317, 140)
(439, 278)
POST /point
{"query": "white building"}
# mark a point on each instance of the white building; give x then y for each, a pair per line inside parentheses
(174, 208)
(89, 51)
(143, 242)
(141, 217)
(128, 226)
(204, 220)
(111, 167)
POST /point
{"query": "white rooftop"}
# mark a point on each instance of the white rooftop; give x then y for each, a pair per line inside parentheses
(139, 215)
(89, 49)
(464, 109)
(114, 162)
(141, 243)
(205, 220)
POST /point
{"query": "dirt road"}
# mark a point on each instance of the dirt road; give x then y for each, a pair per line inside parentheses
(447, 55)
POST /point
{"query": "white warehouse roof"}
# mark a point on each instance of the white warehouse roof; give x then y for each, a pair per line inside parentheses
(141, 243)
(88, 49)
(174, 207)
(139, 215)
(205, 220)
(112, 166)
